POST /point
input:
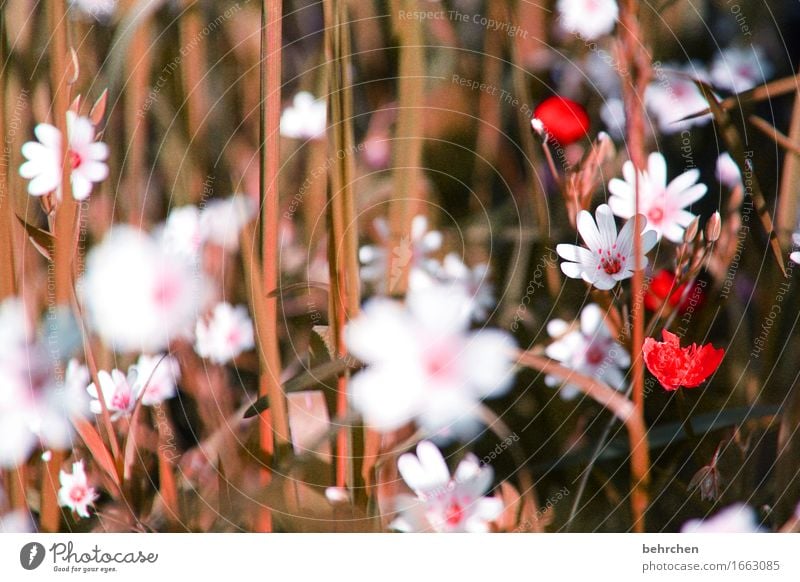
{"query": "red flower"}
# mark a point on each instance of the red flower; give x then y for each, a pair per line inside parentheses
(675, 366)
(662, 289)
(563, 119)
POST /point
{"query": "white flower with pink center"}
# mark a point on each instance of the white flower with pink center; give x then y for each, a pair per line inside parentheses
(736, 518)
(140, 297)
(120, 392)
(424, 365)
(44, 158)
(226, 334)
(663, 204)
(443, 503)
(157, 378)
(590, 19)
(75, 492)
(589, 350)
(609, 257)
(305, 118)
(673, 96)
(739, 69)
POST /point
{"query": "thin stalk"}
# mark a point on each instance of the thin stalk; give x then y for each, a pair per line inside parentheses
(634, 83)
(344, 298)
(8, 283)
(275, 437)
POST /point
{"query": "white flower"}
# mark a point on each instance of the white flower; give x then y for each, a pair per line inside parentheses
(727, 171)
(453, 272)
(75, 492)
(100, 10)
(138, 296)
(44, 158)
(413, 253)
(442, 503)
(424, 365)
(157, 378)
(60, 404)
(589, 350)
(740, 69)
(18, 370)
(609, 258)
(181, 234)
(795, 256)
(120, 392)
(590, 19)
(737, 518)
(222, 220)
(663, 205)
(18, 521)
(671, 97)
(306, 118)
(612, 113)
(228, 333)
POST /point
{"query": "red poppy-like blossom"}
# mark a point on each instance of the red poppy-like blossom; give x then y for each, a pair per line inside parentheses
(675, 366)
(662, 289)
(564, 120)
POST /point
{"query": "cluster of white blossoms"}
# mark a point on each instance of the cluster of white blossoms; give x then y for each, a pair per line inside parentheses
(588, 349)
(35, 407)
(45, 158)
(306, 118)
(416, 254)
(672, 95)
(736, 518)
(442, 503)
(423, 363)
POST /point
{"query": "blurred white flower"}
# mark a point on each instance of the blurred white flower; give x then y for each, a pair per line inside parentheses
(181, 233)
(100, 10)
(138, 296)
(306, 118)
(673, 96)
(424, 365)
(454, 272)
(157, 378)
(612, 113)
(18, 406)
(442, 503)
(44, 158)
(412, 253)
(222, 220)
(737, 518)
(663, 204)
(795, 255)
(75, 492)
(18, 521)
(59, 404)
(739, 69)
(120, 392)
(226, 334)
(591, 19)
(589, 350)
(727, 171)
(609, 258)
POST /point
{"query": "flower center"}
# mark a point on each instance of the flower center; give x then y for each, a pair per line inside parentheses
(655, 214)
(75, 159)
(595, 355)
(77, 493)
(121, 400)
(166, 292)
(454, 514)
(611, 264)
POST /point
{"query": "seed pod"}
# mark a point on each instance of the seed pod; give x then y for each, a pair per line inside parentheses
(713, 227)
